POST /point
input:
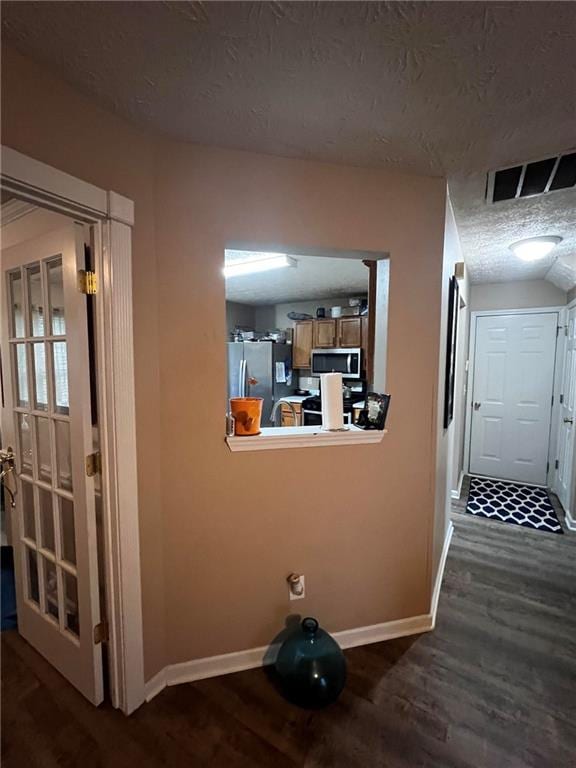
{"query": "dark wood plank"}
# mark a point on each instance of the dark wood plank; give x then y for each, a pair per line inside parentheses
(494, 686)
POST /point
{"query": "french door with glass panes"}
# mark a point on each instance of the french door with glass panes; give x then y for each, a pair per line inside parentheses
(48, 424)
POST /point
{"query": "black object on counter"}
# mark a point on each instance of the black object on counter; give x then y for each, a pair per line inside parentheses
(310, 667)
(321, 312)
(373, 416)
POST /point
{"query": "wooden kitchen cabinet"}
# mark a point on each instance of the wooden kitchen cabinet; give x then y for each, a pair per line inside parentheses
(349, 332)
(329, 333)
(302, 343)
(288, 419)
(325, 334)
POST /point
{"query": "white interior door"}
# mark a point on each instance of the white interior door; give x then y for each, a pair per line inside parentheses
(565, 447)
(512, 396)
(47, 421)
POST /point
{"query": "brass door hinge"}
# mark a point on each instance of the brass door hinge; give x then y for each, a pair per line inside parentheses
(101, 633)
(87, 282)
(93, 464)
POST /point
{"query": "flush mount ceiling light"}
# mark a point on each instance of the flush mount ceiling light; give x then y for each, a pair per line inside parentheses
(535, 248)
(260, 263)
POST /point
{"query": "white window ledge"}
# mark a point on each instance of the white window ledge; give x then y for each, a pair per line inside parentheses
(271, 438)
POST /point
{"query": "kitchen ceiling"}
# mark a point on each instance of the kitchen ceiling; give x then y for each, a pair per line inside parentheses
(314, 277)
(440, 88)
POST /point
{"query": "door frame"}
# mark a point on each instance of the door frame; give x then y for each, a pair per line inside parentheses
(474, 315)
(569, 519)
(112, 217)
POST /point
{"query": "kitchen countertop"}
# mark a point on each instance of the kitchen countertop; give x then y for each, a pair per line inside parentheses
(294, 398)
(301, 398)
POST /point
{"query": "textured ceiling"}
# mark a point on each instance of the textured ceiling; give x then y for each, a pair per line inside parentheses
(439, 88)
(486, 232)
(314, 277)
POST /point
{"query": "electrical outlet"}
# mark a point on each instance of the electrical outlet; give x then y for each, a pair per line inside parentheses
(296, 586)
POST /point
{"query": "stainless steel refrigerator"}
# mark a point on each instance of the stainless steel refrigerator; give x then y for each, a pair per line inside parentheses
(265, 362)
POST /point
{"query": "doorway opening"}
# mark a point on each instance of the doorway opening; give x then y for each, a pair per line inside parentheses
(68, 427)
(519, 421)
(49, 428)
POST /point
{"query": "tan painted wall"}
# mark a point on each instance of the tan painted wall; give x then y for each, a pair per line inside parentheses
(220, 531)
(356, 521)
(518, 294)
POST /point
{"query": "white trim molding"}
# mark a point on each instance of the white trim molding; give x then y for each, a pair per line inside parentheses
(15, 209)
(570, 521)
(110, 216)
(455, 493)
(227, 663)
(271, 438)
(440, 573)
(42, 184)
(120, 209)
(118, 449)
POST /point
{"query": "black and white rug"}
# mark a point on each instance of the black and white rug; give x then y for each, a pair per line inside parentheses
(510, 503)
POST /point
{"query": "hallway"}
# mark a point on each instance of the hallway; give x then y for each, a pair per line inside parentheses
(492, 687)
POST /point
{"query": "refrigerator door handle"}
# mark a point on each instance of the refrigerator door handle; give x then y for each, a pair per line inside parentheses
(244, 369)
(241, 379)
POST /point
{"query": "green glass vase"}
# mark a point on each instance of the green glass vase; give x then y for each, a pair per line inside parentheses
(310, 667)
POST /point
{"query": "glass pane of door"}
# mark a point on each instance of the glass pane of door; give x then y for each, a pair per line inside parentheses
(16, 305)
(50, 587)
(29, 518)
(35, 300)
(56, 297)
(67, 528)
(23, 422)
(60, 367)
(46, 520)
(21, 375)
(43, 449)
(63, 454)
(33, 588)
(40, 377)
(71, 603)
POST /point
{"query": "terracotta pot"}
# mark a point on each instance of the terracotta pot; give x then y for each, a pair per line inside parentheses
(247, 412)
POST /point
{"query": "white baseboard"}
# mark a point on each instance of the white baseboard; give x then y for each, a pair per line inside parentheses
(455, 493)
(155, 685)
(213, 666)
(570, 522)
(440, 573)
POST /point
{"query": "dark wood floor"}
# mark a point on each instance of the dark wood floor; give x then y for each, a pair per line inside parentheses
(494, 686)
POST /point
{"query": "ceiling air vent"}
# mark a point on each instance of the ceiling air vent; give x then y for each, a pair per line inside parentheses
(530, 179)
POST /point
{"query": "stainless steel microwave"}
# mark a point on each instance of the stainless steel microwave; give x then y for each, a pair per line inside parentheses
(348, 362)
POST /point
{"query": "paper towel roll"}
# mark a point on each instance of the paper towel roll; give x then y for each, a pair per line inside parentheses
(332, 401)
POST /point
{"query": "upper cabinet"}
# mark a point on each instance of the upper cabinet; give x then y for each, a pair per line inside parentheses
(328, 333)
(302, 344)
(335, 333)
(325, 334)
(350, 332)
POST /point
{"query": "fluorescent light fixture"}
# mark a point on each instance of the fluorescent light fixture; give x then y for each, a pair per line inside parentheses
(263, 263)
(535, 248)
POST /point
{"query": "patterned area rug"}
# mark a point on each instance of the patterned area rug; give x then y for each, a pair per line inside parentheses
(511, 503)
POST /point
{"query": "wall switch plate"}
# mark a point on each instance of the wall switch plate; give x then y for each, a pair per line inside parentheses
(297, 587)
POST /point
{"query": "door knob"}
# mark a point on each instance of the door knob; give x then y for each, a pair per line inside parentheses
(7, 456)
(477, 406)
(568, 421)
